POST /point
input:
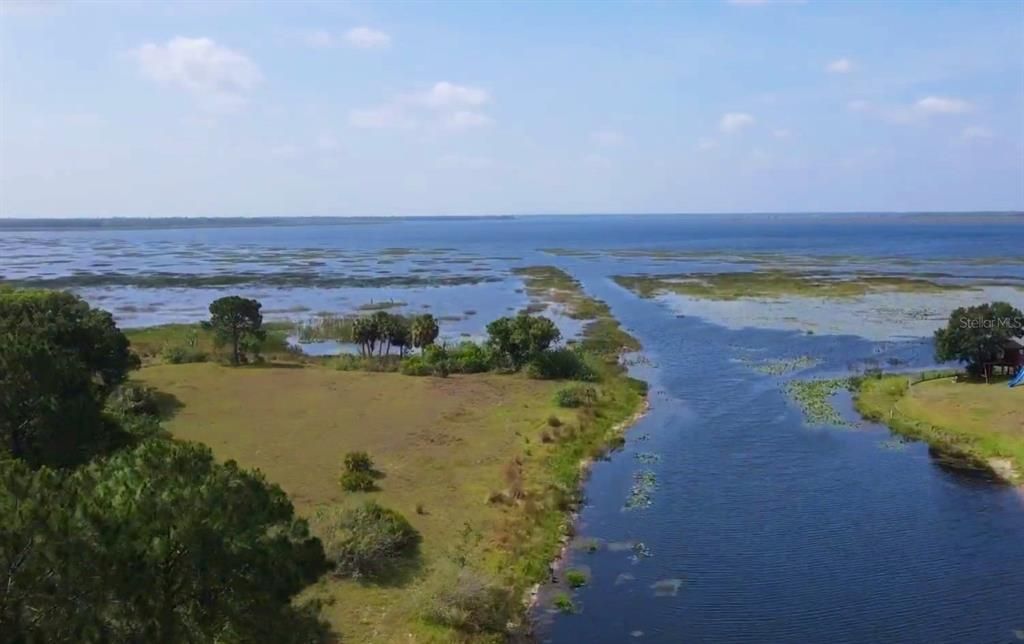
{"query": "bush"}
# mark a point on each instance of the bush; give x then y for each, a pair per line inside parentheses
(358, 462)
(350, 362)
(466, 600)
(358, 482)
(178, 354)
(576, 396)
(470, 357)
(366, 541)
(415, 366)
(554, 421)
(561, 364)
(131, 399)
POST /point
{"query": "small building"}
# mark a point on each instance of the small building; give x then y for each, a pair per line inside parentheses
(1008, 359)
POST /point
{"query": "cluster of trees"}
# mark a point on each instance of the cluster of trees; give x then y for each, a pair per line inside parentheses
(109, 535)
(383, 331)
(977, 335)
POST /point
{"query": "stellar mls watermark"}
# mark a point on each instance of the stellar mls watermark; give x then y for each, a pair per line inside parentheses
(994, 323)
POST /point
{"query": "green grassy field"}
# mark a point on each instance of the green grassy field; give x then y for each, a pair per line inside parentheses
(979, 424)
(149, 342)
(445, 445)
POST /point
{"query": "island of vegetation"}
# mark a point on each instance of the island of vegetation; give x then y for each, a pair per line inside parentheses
(207, 482)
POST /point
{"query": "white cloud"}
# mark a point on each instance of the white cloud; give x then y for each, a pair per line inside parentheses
(858, 106)
(446, 105)
(367, 38)
(607, 138)
(326, 142)
(976, 132)
(943, 105)
(445, 95)
(781, 133)
(707, 144)
(733, 122)
(217, 76)
(840, 66)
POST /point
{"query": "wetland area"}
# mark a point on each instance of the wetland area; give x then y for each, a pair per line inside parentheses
(750, 490)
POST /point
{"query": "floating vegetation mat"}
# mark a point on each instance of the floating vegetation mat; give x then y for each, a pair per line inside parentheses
(642, 492)
(814, 399)
(782, 366)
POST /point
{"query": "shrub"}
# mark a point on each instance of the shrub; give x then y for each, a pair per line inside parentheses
(358, 462)
(563, 603)
(554, 421)
(470, 357)
(366, 541)
(415, 366)
(576, 396)
(576, 578)
(561, 364)
(178, 354)
(464, 599)
(357, 481)
(131, 399)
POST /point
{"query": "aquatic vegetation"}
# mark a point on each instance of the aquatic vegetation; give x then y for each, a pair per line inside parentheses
(563, 603)
(780, 283)
(576, 578)
(381, 306)
(813, 397)
(642, 491)
(279, 279)
(783, 366)
(647, 458)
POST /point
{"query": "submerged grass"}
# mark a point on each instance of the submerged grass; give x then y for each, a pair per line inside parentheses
(780, 284)
(972, 424)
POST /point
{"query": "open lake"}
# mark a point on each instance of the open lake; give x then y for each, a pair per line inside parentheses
(755, 527)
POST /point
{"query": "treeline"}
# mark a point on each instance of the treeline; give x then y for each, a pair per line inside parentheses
(112, 532)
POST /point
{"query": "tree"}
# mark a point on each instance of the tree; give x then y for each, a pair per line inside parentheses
(400, 334)
(59, 360)
(384, 322)
(366, 333)
(978, 334)
(423, 331)
(237, 321)
(67, 324)
(516, 340)
(159, 543)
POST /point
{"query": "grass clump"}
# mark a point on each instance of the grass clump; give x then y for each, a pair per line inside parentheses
(563, 603)
(358, 474)
(465, 599)
(367, 541)
(561, 364)
(576, 578)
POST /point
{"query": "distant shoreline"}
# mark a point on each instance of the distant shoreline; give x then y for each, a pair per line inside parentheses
(156, 223)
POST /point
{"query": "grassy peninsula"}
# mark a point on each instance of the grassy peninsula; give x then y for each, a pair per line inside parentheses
(973, 424)
(486, 466)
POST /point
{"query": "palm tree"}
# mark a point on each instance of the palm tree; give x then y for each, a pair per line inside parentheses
(366, 333)
(400, 334)
(424, 330)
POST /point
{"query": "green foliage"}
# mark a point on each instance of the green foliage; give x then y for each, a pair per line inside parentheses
(178, 354)
(465, 599)
(416, 366)
(366, 541)
(59, 359)
(158, 543)
(576, 578)
(357, 481)
(561, 364)
(516, 340)
(423, 331)
(576, 396)
(69, 326)
(470, 357)
(978, 334)
(237, 322)
(554, 421)
(131, 399)
(563, 603)
(358, 462)
(814, 398)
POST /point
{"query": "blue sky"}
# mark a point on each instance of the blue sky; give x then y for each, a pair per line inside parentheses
(206, 109)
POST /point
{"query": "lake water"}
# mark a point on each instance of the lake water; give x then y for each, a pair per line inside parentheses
(759, 528)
